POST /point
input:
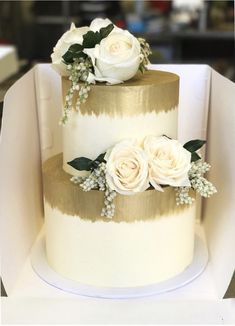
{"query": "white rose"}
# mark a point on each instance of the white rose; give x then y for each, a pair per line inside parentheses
(74, 35)
(116, 58)
(127, 168)
(169, 162)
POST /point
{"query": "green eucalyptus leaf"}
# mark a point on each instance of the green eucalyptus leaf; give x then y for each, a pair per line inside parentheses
(90, 39)
(80, 55)
(68, 57)
(97, 161)
(194, 145)
(105, 31)
(74, 51)
(195, 157)
(100, 158)
(75, 48)
(81, 164)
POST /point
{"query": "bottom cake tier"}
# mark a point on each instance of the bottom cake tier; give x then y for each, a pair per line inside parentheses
(149, 240)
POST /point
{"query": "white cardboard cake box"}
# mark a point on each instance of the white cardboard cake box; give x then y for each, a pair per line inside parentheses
(31, 133)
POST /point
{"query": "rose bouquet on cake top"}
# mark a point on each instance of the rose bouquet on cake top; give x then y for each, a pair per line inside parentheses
(101, 52)
(129, 168)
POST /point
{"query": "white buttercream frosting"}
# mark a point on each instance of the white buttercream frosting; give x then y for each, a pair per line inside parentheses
(90, 135)
(119, 254)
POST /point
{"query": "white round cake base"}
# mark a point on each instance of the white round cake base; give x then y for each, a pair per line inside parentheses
(46, 273)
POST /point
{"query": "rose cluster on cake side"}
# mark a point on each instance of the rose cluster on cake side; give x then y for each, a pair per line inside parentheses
(101, 52)
(129, 168)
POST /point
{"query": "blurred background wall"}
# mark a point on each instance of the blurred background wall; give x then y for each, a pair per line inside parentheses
(179, 31)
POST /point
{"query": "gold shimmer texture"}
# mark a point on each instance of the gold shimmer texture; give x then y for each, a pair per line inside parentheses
(153, 91)
(70, 199)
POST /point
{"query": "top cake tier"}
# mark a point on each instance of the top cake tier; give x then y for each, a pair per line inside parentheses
(152, 91)
(145, 105)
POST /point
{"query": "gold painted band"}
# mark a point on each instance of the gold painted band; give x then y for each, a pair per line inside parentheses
(154, 91)
(70, 199)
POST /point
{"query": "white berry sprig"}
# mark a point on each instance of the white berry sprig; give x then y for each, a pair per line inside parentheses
(144, 54)
(182, 196)
(97, 180)
(78, 72)
(109, 207)
(198, 183)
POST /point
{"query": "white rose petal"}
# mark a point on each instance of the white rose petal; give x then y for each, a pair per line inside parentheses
(90, 78)
(98, 75)
(127, 168)
(74, 35)
(90, 53)
(169, 162)
(99, 23)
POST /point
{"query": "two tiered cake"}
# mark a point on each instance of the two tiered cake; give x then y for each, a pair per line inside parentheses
(119, 200)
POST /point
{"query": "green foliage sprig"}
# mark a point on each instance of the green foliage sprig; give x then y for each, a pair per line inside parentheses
(90, 39)
(79, 71)
(86, 164)
(193, 146)
(79, 66)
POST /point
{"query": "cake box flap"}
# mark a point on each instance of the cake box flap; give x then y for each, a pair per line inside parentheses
(49, 99)
(219, 210)
(193, 99)
(21, 208)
